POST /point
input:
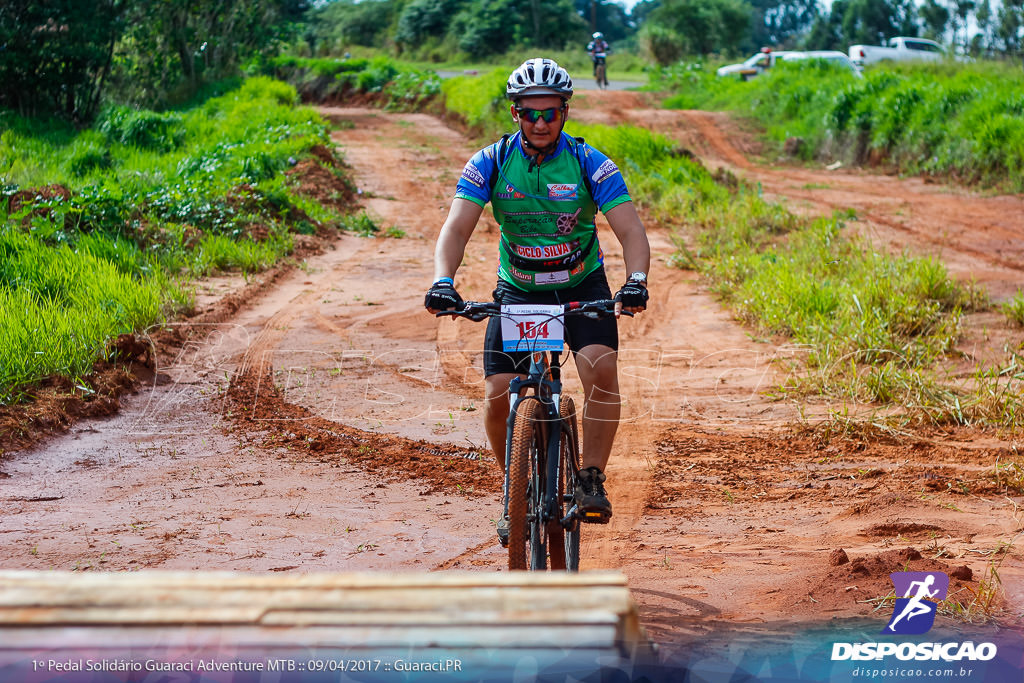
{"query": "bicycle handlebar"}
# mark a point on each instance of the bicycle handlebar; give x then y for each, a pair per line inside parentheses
(478, 310)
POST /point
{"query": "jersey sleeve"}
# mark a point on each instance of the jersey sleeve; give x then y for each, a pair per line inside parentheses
(606, 180)
(474, 183)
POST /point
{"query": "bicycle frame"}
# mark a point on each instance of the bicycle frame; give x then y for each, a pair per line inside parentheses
(544, 377)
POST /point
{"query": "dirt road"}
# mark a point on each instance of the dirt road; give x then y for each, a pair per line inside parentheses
(352, 437)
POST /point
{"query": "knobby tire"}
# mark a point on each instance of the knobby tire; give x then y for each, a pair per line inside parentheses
(523, 462)
(602, 81)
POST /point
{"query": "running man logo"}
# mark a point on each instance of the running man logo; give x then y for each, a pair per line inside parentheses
(914, 613)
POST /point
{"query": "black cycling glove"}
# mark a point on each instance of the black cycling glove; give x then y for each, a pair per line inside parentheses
(633, 295)
(442, 296)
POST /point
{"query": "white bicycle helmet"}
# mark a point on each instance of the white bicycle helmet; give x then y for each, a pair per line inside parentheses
(539, 76)
(598, 35)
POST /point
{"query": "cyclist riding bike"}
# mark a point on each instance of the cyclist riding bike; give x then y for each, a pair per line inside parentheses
(598, 50)
(545, 188)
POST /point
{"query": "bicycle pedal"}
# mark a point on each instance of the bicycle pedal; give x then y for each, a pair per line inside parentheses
(595, 516)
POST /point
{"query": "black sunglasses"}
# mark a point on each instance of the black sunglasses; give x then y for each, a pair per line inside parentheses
(532, 115)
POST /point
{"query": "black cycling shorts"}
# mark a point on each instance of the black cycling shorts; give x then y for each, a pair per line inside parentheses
(580, 331)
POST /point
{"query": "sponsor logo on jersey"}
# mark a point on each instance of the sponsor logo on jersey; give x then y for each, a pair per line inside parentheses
(519, 275)
(473, 175)
(547, 251)
(562, 192)
(604, 171)
(510, 193)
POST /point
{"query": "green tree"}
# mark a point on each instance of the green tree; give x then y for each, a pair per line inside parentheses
(347, 22)
(705, 26)
(935, 18)
(962, 10)
(827, 31)
(983, 39)
(421, 20)
(1009, 25)
(781, 23)
(610, 18)
(173, 44)
(55, 55)
(875, 21)
(486, 28)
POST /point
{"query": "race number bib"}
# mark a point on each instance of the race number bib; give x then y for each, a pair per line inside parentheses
(531, 327)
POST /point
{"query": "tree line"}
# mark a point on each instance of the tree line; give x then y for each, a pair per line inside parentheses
(64, 56)
(666, 30)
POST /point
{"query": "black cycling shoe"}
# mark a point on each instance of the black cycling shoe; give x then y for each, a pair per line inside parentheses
(503, 532)
(591, 498)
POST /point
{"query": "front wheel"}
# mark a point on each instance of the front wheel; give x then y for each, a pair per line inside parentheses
(599, 75)
(526, 547)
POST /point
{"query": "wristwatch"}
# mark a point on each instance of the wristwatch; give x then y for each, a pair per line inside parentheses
(638, 276)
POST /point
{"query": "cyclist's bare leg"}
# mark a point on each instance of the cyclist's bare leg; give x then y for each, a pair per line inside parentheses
(598, 368)
(496, 412)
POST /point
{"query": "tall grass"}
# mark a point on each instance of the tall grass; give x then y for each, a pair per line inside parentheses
(59, 307)
(878, 328)
(949, 119)
(479, 101)
(99, 228)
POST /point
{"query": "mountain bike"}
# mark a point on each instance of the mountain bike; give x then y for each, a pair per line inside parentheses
(542, 447)
(600, 74)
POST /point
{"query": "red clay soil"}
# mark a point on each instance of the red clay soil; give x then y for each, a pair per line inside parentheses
(325, 422)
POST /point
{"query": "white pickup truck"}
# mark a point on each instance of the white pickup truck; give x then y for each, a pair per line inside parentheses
(899, 49)
(754, 66)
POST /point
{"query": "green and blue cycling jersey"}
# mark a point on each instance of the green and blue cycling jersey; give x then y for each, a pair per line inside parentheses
(546, 212)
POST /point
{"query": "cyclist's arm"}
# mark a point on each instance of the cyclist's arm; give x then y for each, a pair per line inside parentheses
(455, 234)
(629, 230)
(626, 224)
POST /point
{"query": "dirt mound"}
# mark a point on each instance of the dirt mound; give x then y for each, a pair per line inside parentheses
(255, 405)
(34, 195)
(321, 179)
(864, 581)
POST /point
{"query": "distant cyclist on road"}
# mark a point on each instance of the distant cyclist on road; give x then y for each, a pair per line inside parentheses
(545, 188)
(598, 51)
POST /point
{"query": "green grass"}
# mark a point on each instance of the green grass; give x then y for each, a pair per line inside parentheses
(399, 85)
(877, 329)
(59, 306)
(480, 101)
(100, 229)
(965, 121)
(1014, 309)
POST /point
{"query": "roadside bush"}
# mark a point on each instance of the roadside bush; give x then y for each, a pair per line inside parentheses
(399, 87)
(141, 128)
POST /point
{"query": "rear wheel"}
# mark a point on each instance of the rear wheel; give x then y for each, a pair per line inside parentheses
(564, 542)
(525, 542)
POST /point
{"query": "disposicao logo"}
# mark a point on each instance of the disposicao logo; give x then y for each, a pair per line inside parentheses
(914, 614)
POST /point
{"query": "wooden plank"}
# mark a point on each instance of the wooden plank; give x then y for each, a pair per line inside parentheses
(199, 580)
(600, 636)
(456, 610)
(123, 638)
(440, 598)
